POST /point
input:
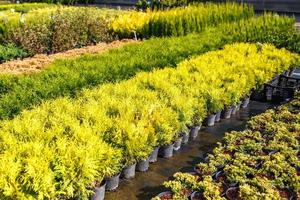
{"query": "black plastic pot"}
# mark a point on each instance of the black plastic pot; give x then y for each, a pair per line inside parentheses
(112, 183)
(218, 116)
(234, 110)
(153, 155)
(166, 151)
(143, 165)
(194, 130)
(259, 164)
(210, 120)
(162, 194)
(272, 152)
(129, 171)
(177, 144)
(232, 193)
(226, 113)
(196, 196)
(99, 192)
(218, 174)
(185, 137)
(245, 102)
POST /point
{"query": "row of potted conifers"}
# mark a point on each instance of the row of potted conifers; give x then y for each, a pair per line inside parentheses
(260, 162)
(227, 112)
(73, 144)
(166, 151)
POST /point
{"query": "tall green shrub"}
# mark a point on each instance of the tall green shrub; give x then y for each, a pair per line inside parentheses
(56, 29)
(179, 21)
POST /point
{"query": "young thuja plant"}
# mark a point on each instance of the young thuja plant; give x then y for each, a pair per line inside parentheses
(235, 89)
(279, 171)
(137, 135)
(249, 146)
(295, 104)
(213, 101)
(182, 186)
(234, 174)
(219, 159)
(287, 116)
(258, 188)
(186, 80)
(259, 122)
(169, 94)
(73, 159)
(166, 125)
(198, 111)
(205, 169)
(210, 189)
(283, 140)
(291, 156)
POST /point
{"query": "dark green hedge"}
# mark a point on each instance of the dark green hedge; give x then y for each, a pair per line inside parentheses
(10, 51)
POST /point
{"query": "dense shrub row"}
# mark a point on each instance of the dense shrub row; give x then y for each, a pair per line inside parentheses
(56, 29)
(259, 163)
(165, 4)
(66, 77)
(65, 2)
(161, 4)
(58, 149)
(282, 35)
(178, 21)
(24, 7)
(10, 51)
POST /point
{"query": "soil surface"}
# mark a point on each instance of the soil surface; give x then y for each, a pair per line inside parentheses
(41, 61)
(148, 184)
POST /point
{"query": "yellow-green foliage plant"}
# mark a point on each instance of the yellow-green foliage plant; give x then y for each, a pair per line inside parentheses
(179, 21)
(59, 149)
(49, 153)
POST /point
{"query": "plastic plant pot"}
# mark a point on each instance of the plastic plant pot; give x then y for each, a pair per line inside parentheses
(185, 137)
(218, 116)
(210, 120)
(226, 113)
(112, 183)
(143, 165)
(194, 130)
(99, 192)
(129, 171)
(166, 151)
(177, 144)
(165, 195)
(153, 155)
(245, 102)
(232, 193)
(234, 109)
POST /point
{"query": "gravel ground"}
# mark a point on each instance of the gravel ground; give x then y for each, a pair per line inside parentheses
(40, 61)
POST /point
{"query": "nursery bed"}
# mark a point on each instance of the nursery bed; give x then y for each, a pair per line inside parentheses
(149, 184)
(40, 61)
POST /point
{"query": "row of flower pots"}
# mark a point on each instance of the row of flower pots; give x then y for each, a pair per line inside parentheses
(230, 194)
(226, 112)
(112, 183)
(166, 151)
(261, 162)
